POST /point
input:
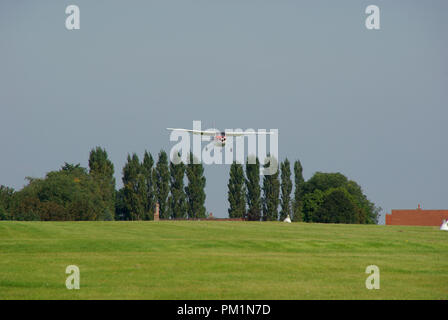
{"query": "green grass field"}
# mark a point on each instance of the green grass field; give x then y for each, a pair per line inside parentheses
(221, 260)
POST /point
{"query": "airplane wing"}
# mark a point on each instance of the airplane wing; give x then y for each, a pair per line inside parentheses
(207, 133)
(238, 134)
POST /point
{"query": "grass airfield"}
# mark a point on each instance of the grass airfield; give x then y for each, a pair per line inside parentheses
(221, 260)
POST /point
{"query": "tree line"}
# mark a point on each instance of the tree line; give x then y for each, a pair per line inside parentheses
(325, 197)
(146, 183)
(77, 193)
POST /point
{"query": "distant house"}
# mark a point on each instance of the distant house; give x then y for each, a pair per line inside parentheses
(416, 217)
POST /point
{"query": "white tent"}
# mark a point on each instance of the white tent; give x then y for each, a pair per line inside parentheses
(288, 219)
(444, 225)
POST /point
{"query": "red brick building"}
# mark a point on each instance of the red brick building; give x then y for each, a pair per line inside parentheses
(416, 217)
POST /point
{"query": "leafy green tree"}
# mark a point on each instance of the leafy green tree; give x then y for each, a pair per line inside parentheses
(271, 192)
(3, 214)
(337, 207)
(26, 208)
(56, 197)
(286, 188)
(236, 191)
(148, 173)
(324, 181)
(195, 189)
(134, 188)
(100, 165)
(311, 203)
(102, 170)
(367, 211)
(162, 181)
(84, 208)
(6, 198)
(253, 189)
(121, 209)
(177, 200)
(299, 183)
(52, 211)
(68, 168)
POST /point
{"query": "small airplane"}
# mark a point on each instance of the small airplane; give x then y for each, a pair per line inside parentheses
(220, 137)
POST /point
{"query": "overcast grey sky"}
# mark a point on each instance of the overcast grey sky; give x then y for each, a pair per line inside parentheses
(369, 104)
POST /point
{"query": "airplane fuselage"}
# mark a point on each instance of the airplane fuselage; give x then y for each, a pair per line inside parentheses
(220, 140)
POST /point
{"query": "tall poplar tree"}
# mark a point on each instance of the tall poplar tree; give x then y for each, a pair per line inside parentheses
(236, 191)
(286, 188)
(162, 176)
(253, 189)
(178, 198)
(271, 192)
(134, 188)
(195, 190)
(102, 170)
(148, 168)
(298, 191)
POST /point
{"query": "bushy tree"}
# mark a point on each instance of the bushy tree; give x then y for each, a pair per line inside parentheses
(26, 208)
(337, 207)
(310, 204)
(236, 191)
(58, 195)
(52, 211)
(195, 190)
(366, 211)
(6, 198)
(3, 214)
(324, 181)
(253, 189)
